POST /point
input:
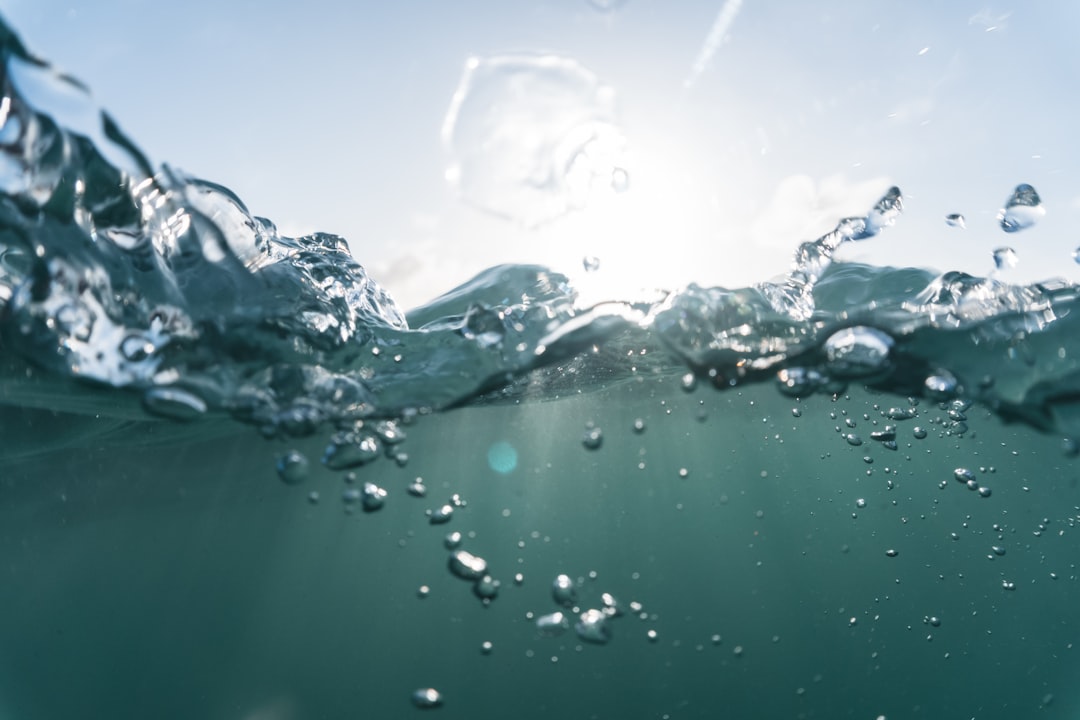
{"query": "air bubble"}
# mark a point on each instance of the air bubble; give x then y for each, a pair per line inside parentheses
(563, 591)
(593, 438)
(293, 467)
(592, 627)
(427, 698)
(467, 566)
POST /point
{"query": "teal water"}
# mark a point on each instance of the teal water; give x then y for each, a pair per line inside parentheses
(847, 492)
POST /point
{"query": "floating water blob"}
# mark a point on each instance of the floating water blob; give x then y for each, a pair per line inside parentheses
(857, 352)
(955, 220)
(529, 136)
(293, 467)
(1022, 210)
(1005, 258)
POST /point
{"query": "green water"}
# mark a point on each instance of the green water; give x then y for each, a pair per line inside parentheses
(182, 579)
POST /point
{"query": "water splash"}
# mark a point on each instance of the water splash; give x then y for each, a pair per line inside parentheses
(140, 289)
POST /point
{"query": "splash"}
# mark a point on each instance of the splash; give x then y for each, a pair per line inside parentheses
(123, 282)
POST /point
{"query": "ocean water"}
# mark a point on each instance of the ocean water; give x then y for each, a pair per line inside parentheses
(240, 482)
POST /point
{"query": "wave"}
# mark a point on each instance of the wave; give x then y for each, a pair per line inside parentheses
(134, 290)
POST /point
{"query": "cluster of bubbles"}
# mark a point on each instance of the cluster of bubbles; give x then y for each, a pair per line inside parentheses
(590, 624)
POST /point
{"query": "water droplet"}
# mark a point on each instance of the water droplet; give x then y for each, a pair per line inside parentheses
(593, 439)
(1022, 210)
(293, 467)
(427, 698)
(591, 263)
(563, 591)
(592, 627)
(955, 220)
(857, 352)
(467, 566)
(1005, 258)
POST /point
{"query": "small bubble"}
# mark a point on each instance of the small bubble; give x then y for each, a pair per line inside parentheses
(423, 591)
(796, 412)
(998, 550)
(639, 426)
(934, 621)
(486, 647)
(467, 566)
(860, 503)
(563, 590)
(985, 491)
(593, 439)
(440, 515)
(716, 639)
(427, 698)
(919, 432)
(652, 635)
(452, 540)
(486, 588)
(293, 467)
(891, 553)
(373, 497)
(683, 472)
(592, 627)
(955, 220)
(553, 624)
(620, 178)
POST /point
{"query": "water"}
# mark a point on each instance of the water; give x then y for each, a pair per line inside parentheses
(725, 501)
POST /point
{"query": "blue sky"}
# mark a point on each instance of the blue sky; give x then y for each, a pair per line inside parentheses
(328, 116)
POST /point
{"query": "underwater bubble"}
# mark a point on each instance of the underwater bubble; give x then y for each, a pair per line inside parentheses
(895, 413)
(593, 438)
(416, 488)
(1005, 258)
(857, 351)
(452, 541)
(591, 263)
(799, 382)
(639, 426)
(1008, 585)
(689, 382)
(941, 385)
(555, 623)
(860, 503)
(985, 491)
(853, 439)
(612, 607)
(892, 553)
(652, 635)
(918, 432)
(350, 496)
(963, 475)
(293, 467)
(467, 566)
(530, 136)
(955, 220)
(889, 433)
(502, 457)
(173, 403)
(563, 590)
(427, 698)
(592, 627)
(373, 497)
(486, 647)
(486, 588)
(934, 621)
(1022, 210)
(440, 515)
(350, 449)
(998, 549)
